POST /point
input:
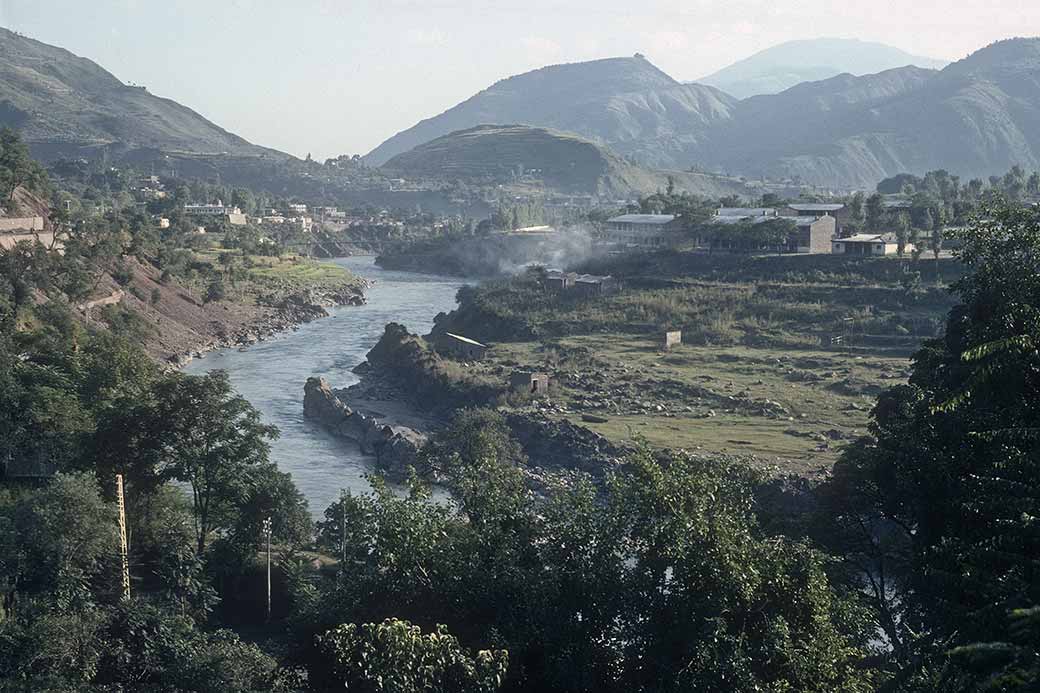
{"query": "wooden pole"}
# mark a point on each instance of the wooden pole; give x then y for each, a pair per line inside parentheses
(267, 531)
(342, 530)
(122, 536)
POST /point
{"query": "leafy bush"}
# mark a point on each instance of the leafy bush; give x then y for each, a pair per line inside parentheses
(396, 656)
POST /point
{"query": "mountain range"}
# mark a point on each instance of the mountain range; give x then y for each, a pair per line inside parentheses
(975, 117)
(781, 67)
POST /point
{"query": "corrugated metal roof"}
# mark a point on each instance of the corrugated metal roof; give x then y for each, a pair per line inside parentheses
(591, 278)
(797, 221)
(467, 340)
(814, 207)
(867, 238)
(740, 220)
(642, 219)
(746, 212)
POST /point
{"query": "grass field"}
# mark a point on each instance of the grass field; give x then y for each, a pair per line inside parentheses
(250, 277)
(792, 408)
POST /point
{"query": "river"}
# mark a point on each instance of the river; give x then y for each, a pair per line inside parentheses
(271, 374)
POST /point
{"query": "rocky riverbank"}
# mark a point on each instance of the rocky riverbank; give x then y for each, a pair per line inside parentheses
(275, 314)
(174, 324)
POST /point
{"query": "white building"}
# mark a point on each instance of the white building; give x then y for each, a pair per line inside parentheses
(868, 244)
(207, 210)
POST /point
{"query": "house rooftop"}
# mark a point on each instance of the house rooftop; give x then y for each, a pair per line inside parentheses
(745, 212)
(896, 204)
(651, 219)
(467, 340)
(739, 220)
(868, 238)
(815, 207)
(797, 221)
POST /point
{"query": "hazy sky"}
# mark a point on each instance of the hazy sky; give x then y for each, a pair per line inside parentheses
(334, 77)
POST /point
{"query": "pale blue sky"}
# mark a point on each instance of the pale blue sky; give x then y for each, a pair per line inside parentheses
(332, 77)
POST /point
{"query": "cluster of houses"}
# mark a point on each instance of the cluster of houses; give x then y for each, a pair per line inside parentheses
(815, 228)
(149, 188)
(293, 214)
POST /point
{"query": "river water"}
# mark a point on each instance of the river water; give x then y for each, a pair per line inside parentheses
(271, 374)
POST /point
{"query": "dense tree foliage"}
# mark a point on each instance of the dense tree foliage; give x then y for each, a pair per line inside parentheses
(661, 581)
(937, 508)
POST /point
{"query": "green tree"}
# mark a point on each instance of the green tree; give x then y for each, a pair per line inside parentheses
(938, 238)
(1033, 185)
(902, 233)
(215, 291)
(396, 656)
(196, 430)
(17, 167)
(875, 212)
(857, 214)
(60, 542)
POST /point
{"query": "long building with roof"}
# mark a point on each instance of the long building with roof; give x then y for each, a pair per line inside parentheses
(643, 230)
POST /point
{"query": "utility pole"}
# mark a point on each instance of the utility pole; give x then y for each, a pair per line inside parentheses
(267, 534)
(342, 530)
(122, 537)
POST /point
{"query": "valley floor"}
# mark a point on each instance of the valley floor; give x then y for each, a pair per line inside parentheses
(792, 409)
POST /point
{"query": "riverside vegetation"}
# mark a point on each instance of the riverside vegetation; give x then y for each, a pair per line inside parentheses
(664, 575)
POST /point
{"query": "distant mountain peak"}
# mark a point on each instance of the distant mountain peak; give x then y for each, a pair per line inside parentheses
(780, 67)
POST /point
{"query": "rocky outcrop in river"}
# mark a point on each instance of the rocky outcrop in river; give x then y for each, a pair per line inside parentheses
(394, 447)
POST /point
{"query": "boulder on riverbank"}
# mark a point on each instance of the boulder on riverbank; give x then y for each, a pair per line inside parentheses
(394, 447)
